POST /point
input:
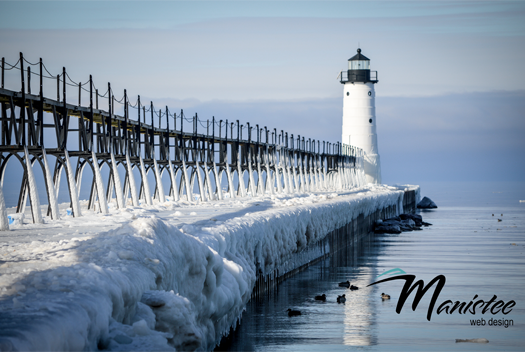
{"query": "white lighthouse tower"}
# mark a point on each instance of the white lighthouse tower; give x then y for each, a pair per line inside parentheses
(359, 113)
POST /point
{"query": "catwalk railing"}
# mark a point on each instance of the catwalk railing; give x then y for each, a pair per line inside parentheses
(215, 164)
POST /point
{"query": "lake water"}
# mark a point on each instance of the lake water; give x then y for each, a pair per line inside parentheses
(477, 254)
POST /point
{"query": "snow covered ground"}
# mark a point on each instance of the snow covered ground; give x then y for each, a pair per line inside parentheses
(157, 277)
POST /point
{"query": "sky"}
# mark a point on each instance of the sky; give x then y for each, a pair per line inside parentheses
(449, 102)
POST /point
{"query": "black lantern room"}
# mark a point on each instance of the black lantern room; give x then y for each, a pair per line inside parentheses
(359, 70)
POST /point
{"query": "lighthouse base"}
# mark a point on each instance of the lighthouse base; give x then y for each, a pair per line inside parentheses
(372, 168)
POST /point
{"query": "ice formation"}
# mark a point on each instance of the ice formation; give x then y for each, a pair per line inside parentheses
(174, 275)
(145, 183)
(116, 180)
(131, 182)
(103, 205)
(4, 220)
(33, 190)
(160, 187)
(51, 187)
(72, 184)
(173, 183)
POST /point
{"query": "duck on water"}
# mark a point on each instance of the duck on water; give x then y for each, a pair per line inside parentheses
(320, 297)
(348, 285)
(292, 313)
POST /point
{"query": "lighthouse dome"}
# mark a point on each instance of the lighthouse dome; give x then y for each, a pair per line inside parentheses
(359, 70)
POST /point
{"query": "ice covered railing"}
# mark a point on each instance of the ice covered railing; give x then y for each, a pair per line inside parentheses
(64, 135)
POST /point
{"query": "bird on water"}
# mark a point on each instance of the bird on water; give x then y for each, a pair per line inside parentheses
(352, 287)
(385, 296)
(344, 284)
(320, 297)
(341, 299)
(292, 313)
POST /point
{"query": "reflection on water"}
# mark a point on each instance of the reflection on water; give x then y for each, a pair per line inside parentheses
(477, 254)
(266, 326)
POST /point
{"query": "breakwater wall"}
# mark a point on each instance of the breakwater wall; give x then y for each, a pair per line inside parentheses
(337, 239)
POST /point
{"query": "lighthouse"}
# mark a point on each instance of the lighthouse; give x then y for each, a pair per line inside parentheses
(359, 113)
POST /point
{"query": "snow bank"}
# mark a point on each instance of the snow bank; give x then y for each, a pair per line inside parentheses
(162, 280)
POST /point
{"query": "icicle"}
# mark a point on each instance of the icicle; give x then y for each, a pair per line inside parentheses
(253, 190)
(319, 183)
(260, 182)
(301, 176)
(189, 191)
(160, 187)
(145, 183)
(286, 177)
(241, 178)
(304, 164)
(277, 176)
(325, 181)
(208, 182)
(199, 180)
(79, 179)
(346, 174)
(345, 177)
(73, 193)
(316, 175)
(100, 185)
(131, 181)
(4, 220)
(291, 185)
(349, 176)
(230, 181)
(50, 188)
(57, 188)
(269, 178)
(173, 182)
(311, 176)
(297, 186)
(284, 170)
(217, 182)
(118, 187)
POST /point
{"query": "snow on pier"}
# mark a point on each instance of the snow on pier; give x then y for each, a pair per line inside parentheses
(173, 275)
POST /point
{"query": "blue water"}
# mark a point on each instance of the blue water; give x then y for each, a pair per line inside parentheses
(477, 254)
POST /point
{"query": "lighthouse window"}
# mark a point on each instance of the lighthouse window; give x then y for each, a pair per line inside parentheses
(347, 93)
(359, 65)
(369, 93)
(370, 120)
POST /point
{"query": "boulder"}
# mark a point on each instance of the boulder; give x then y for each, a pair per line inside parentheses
(426, 203)
(401, 223)
(407, 225)
(387, 229)
(416, 218)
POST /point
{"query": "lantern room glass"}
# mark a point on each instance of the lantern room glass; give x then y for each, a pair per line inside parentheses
(359, 65)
